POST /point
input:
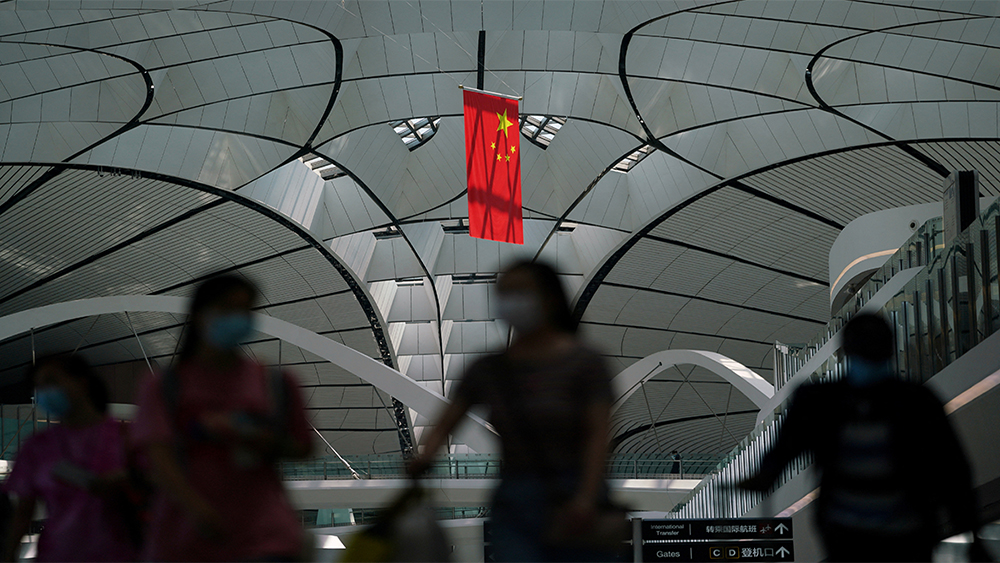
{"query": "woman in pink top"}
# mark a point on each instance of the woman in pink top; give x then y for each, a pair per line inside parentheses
(76, 468)
(212, 427)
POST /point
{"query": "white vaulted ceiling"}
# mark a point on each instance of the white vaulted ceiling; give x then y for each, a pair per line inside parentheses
(146, 144)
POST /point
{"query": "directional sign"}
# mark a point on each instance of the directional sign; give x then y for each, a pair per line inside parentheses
(707, 529)
(666, 529)
(681, 551)
(771, 550)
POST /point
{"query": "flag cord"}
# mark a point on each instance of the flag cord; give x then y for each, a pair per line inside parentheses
(497, 94)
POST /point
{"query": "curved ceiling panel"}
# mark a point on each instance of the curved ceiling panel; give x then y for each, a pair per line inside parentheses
(105, 232)
(685, 408)
(216, 158)
(736, 148)
(56, 101)
(755, 130)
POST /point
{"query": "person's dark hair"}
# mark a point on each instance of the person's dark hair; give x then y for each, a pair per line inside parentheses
(207, 294)
(551, 287)
(76, 367)
(869, 337)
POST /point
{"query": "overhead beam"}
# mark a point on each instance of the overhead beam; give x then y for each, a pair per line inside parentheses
(744, 379)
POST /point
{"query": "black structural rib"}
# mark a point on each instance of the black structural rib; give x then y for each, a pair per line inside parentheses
(656, 143)
(696, 248)
(619, 439)
(111, 250)
(481, 60)
(186, 283)
(57, 169)
(576, 202)
(714, 301)
(685, 332)
(599, 276)
(395, 223)
(226, 195)
(906, 147)
(399, 410)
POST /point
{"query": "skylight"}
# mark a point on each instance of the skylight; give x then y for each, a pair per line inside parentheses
(387, 233)
(326, 169)
(417, 131)
(455, 226)
(470, 279)
(541, 129)
(626, 164)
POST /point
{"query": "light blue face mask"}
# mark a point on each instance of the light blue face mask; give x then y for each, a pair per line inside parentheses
(862, 373)
(53, 400)
(227, 331)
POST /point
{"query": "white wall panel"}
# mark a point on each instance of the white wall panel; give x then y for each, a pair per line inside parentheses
(606, 204)
(350, 208)
(436, 170)
(355, 250)
(426, 238)
(376, 155)
(576, 157)
(930, 120)
(220, 159)
(646, 262)
(660, 182)
(293, 189)
(593, 244)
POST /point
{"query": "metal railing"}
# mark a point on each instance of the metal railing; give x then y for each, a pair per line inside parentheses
(489, 466)
(368, 516)
(785, 362)
(948, 308)
(17, 423)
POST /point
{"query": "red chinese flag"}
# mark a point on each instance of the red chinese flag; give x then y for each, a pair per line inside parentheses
(493, 167)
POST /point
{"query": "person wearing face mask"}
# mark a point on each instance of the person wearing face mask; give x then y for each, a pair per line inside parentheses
(75, 467)
(549, 397)
(212, 427)
(870, 433)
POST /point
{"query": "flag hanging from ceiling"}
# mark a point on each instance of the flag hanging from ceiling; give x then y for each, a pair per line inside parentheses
(493, 167)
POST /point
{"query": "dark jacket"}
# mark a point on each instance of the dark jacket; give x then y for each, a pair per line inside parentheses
(888, 459)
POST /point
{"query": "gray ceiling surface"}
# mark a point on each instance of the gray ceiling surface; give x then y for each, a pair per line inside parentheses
(146, 144)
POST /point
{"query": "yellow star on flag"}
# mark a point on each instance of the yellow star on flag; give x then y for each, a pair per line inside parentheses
(513, 149)
(498, 156)
(504, 123)
(493, 145)
(508, 158)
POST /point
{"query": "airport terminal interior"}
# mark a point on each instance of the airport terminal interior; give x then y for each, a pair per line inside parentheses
(719, 184)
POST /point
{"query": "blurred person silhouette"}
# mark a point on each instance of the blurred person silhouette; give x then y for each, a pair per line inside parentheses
(77, 467)
(870, 433)
(212, 427)
(550, 399)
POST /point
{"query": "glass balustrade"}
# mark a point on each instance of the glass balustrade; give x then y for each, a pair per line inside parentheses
(488, 466)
